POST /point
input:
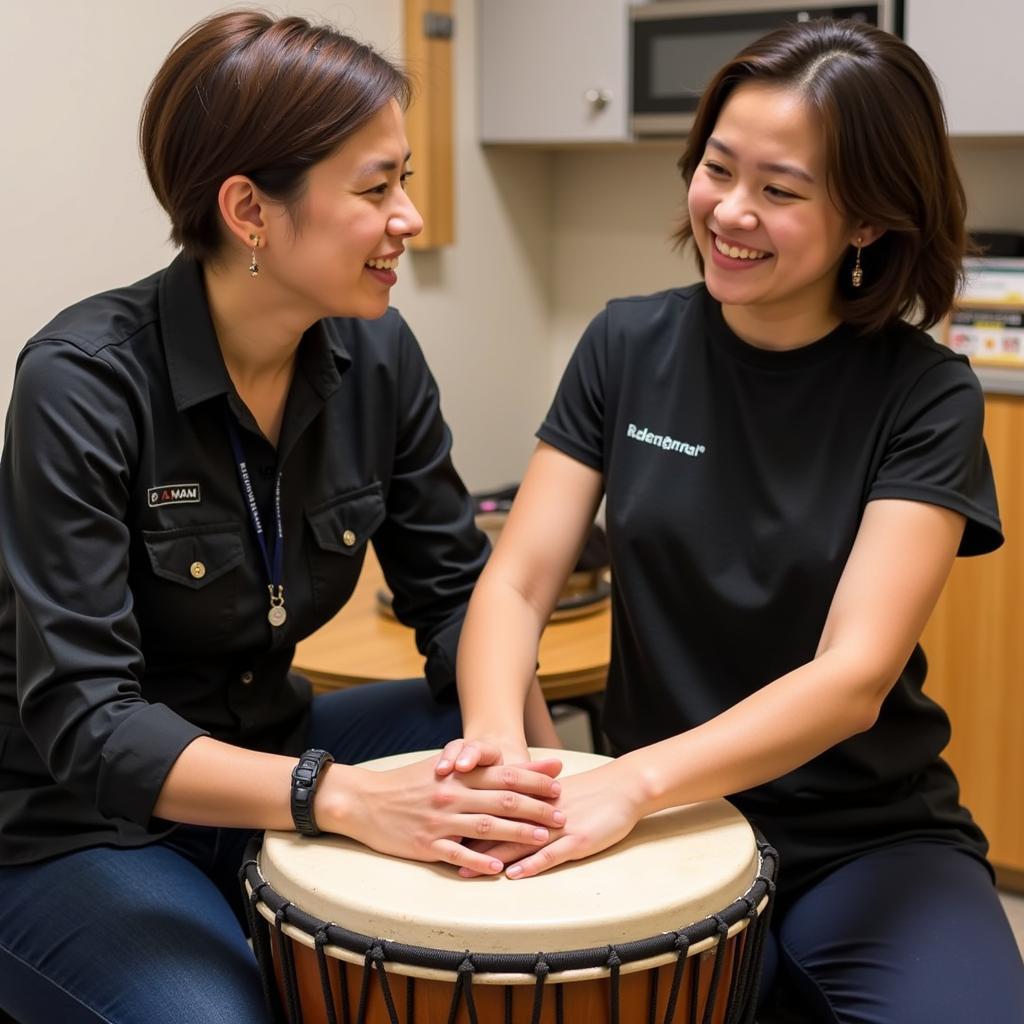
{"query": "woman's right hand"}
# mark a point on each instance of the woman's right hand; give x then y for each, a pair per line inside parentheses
(464, 755)
(413, 812)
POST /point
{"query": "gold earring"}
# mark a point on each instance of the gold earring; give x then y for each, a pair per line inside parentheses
(254, 267)
(857, 275)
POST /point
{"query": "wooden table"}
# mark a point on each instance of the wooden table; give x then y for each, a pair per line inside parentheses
(360, 645)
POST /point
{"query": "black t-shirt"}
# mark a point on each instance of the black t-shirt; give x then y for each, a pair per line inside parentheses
(736, 479)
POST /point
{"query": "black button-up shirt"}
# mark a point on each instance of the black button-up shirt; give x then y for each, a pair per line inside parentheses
(133, 595)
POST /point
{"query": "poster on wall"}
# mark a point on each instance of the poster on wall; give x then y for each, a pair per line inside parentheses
(987, 323)
(994, 336)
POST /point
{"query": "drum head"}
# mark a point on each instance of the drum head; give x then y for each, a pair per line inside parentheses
(676, 867)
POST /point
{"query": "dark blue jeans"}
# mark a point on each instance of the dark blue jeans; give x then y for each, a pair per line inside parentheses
(912, 934)
(153, 935)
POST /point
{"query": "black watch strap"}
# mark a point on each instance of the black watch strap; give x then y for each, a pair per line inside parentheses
(305, 778)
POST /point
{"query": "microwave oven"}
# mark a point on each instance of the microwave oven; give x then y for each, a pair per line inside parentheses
(677, 45)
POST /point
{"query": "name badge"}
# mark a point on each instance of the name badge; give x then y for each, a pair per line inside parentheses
(174, 494)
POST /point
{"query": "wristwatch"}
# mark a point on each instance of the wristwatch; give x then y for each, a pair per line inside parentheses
(305, 777)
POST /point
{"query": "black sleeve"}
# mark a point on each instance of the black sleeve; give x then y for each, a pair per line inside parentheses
(429, 547)
(575, 423)
(937, 453)
(64, 485)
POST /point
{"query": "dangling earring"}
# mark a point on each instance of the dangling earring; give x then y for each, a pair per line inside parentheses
(857, 275)
(254, 267)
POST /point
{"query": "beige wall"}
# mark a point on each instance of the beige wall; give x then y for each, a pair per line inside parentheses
(613, 217)
(544, 239)
(79, 216)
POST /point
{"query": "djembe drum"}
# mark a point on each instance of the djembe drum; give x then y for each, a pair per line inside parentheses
(667, 926)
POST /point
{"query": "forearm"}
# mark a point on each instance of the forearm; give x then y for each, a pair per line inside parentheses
(540, 729)
(497, 659)
(774, 731)
(214, 783)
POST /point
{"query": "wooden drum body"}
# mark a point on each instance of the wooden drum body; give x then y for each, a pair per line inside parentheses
(666, 926)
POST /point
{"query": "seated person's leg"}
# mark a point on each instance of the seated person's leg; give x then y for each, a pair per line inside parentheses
(915, 933)
(123, 936)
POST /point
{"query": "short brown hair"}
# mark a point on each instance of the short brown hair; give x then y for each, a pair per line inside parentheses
(889, 159)
(243, 93)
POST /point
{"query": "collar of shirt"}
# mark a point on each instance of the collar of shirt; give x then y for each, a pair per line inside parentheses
(194, 362)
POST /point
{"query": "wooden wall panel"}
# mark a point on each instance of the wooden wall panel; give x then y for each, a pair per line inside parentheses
(428, 122)
(975, 648)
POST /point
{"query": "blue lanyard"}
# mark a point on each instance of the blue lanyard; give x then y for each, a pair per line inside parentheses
(273, 558)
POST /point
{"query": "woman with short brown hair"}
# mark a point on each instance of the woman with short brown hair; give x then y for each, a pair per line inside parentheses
(790, 465)
(193, 468)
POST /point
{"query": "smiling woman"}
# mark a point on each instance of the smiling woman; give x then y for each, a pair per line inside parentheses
(769, 594)
(247, 94)
(876, 169)
(333, 250)
(194, 466)
(768, 232)
(285, 145)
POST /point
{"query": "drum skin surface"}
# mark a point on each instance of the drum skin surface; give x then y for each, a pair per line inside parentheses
(676, 867)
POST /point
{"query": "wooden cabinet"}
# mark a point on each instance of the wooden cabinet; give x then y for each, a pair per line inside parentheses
(553, 71)
(429, 122)
(975, 648)
(974, 51)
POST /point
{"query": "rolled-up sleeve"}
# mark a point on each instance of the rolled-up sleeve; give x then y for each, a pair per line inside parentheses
(64, 485)
(429, 547)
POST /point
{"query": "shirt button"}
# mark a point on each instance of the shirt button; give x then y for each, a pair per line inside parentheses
(246, 677)
(348, 538)
(198, 570)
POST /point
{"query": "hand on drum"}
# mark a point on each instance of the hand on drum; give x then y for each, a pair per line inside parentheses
(412, 812)
(600, 810)
(464, 755)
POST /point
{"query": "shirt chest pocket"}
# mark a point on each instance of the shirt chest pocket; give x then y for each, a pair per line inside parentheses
(341, 527)
(189, 600)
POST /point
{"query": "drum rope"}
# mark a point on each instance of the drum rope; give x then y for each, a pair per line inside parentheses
(385, 986)
(652, 998)
(287, 955)
(464, 990)
(559, 1004)
(682, 944)
(319, 941)
(716, 971)
(748, 1007)
(613, 964)
(364, 987)
(540, 969)
(742, 1003)
(694, 990)
(260, 932)
(410, 999)
(346, 1006)
(508, 1004)
(741, 966)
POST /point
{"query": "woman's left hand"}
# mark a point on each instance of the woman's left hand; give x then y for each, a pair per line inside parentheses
(601, 807)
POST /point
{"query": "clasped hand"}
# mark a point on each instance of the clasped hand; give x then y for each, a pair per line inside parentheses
(416, 813)
(599, 807)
